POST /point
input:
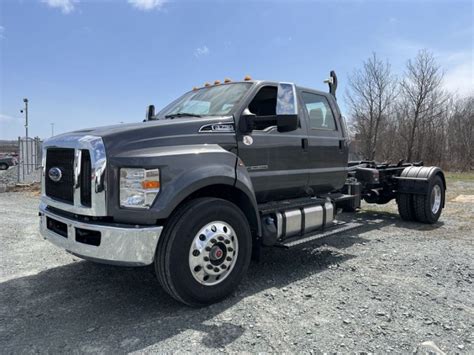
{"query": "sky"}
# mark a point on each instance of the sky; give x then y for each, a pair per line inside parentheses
(84, 63)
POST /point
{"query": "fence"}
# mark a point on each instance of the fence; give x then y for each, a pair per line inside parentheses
(29, 159)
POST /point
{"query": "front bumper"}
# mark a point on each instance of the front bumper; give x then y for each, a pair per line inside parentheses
(105, 243)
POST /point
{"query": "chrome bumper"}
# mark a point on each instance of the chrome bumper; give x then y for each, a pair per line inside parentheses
(130, 246)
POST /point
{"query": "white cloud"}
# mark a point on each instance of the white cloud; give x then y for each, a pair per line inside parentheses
(201, 51)
(459, 78)
(66, 6)
(147, 5)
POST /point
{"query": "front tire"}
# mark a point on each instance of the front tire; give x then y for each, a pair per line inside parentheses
(3, 166)
(204, 251)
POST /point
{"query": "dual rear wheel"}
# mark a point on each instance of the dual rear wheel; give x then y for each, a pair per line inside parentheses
(423, 208)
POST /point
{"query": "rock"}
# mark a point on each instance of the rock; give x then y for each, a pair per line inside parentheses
(346, 321)
(428, 347)
(460, 347)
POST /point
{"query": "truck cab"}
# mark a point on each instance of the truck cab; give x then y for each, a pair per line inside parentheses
(200, 187)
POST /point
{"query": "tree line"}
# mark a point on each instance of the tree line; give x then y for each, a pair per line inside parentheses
(412, 117)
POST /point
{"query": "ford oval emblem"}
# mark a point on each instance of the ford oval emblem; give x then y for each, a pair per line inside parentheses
(55, 174)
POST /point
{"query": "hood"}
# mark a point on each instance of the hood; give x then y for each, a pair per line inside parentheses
(169, 132)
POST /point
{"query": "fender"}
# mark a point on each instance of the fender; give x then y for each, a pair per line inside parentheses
(416, 179)
(183, 171)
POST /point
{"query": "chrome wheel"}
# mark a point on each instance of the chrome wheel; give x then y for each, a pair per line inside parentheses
(435, 199)
(213, 253)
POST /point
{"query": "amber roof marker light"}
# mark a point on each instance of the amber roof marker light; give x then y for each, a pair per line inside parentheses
(247, 78)
(217, 82)
(227, 80)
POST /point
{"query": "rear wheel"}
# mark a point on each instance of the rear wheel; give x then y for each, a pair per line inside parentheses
(204, 251)
(406, 208)
(428, 207)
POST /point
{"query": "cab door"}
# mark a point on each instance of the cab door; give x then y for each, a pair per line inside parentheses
(276, 161)
(327, 148)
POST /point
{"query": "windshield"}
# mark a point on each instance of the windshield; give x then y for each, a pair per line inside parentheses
(209, 101)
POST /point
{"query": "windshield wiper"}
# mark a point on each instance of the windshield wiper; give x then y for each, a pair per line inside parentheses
(182, 114)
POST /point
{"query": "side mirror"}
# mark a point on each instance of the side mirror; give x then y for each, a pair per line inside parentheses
(150, 113)
(246, 122)
(287, 108)
(287, 123)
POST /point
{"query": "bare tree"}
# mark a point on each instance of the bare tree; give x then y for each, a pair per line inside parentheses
(460, 135)
(422, 100)
(372, 90)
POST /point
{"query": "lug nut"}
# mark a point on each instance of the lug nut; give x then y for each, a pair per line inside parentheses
(208, 248)
(223, 266)
(209, 267)
(216, 269)
(227, 241)
(229, 258)
(196, 252)
(230, 249)
(213, 241)
(220, 237)
(206, 258)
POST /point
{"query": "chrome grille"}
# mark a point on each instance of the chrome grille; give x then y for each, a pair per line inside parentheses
(82, 161)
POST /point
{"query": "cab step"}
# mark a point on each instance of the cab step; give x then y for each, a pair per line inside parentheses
(338, 227)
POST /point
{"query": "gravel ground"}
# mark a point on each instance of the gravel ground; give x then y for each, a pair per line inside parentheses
(9, 177)
(386, 287)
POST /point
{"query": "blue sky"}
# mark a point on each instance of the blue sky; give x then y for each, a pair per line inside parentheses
(88, 63)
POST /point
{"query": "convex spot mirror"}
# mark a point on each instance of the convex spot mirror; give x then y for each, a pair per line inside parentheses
(287, 108)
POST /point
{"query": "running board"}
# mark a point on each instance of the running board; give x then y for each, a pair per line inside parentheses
(338, 228)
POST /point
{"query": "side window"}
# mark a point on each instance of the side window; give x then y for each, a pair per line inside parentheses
(319, 111)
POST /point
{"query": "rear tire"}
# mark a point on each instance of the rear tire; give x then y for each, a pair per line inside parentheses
(406, 207)
(428, 207)
(204, 251)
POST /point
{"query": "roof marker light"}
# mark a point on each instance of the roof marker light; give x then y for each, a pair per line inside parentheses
(217, 82)
(207, 84)
(227, 80)
(247, 78)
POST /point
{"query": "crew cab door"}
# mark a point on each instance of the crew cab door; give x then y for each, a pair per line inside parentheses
(327, 146)
(276, 161)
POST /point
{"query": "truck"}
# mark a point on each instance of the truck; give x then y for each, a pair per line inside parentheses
(200, 188)
(7, 161)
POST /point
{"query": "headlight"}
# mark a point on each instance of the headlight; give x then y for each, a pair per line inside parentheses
(138, 187)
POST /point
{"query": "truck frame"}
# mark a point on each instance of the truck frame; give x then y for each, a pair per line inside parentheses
(201, 187)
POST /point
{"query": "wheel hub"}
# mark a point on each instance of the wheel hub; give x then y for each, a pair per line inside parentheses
(213, 253)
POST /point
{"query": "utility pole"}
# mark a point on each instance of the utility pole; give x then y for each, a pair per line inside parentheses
(52, 129)
(25, 100)
(25, 110)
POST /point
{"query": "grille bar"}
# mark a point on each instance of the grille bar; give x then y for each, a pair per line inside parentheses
(85, 179)
(63, 189)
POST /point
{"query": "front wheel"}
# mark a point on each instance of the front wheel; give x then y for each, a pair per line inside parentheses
(204, 251)
(3, 166)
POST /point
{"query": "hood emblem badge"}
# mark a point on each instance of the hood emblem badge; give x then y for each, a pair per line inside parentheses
(55, 174)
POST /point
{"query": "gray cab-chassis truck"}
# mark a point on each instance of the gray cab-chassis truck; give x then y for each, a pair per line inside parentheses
(225, 170)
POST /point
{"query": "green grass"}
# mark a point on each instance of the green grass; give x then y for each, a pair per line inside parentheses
(456, 176)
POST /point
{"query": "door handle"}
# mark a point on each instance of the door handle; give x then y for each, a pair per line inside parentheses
(304, 143)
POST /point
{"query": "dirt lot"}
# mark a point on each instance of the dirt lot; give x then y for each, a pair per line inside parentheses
(387, 286)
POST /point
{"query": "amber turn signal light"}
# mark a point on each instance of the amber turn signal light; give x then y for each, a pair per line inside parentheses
(150, 184)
